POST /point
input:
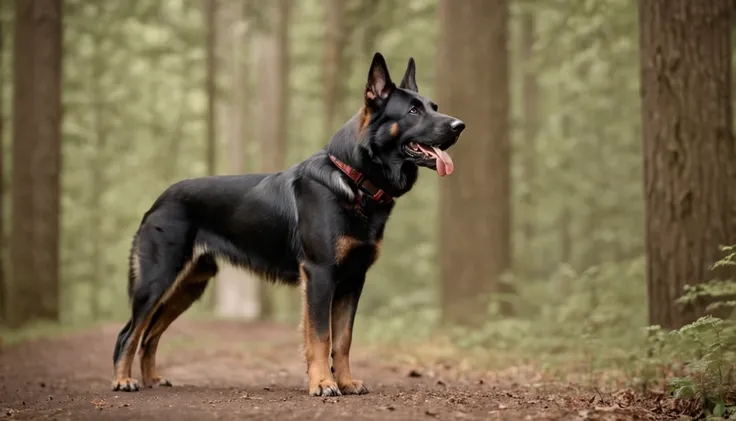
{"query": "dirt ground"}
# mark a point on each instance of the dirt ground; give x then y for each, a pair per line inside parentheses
(228, 370)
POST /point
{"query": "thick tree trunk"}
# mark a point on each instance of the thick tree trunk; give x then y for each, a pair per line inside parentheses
(689, 150)
(472, 84)
(334, 49)
(273, 68)
(34, 292)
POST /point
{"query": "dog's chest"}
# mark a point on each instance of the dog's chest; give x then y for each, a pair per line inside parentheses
(366, 223)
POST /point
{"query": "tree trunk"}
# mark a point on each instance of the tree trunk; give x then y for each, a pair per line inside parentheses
(34, 292)
(238, 292)
(334, 49)
(475, 218)
(272, 94)
(211, 83)
(531, 121)
(689, 150)
(272, 99)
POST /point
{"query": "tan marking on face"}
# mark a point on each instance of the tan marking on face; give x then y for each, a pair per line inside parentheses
(394, 129)
(365, 118)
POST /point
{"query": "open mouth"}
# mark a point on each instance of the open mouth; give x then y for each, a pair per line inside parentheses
(431, 156)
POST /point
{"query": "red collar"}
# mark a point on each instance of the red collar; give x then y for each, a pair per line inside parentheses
(364, 185)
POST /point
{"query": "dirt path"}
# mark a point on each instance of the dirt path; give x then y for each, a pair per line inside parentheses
(225, 370)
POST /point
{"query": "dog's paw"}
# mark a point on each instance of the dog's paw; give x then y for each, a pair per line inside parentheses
(125, 385)
(325, 388)
(355, 387)
(157, 382)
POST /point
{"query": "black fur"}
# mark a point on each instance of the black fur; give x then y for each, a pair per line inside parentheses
(273, 223)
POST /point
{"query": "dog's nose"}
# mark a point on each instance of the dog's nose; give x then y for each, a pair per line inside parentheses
(457, 126)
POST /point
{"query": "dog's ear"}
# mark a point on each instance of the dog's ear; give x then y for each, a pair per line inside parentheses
(409, 81)
(379, 84)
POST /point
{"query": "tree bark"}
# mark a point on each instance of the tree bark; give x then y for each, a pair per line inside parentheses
(475, 218)
(689, 150)
(272, 98)
(34, 292)
(334, 49)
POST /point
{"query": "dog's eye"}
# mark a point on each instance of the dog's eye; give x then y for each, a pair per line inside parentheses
(414, 110)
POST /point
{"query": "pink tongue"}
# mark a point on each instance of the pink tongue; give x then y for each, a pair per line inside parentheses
(444, 163)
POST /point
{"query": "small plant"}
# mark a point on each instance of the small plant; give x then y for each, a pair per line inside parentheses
(707, 346)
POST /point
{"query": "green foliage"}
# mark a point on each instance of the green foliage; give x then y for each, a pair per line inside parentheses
(719, 294)
(697, 363)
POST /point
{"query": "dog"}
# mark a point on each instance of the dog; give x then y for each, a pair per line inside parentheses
(318, 224)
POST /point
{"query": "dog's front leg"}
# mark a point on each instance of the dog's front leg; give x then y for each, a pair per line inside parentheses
(318, 286)
(344, 306)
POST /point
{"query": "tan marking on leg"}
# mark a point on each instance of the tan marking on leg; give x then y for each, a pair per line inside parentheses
(342, 335)
(394, 129)
(177, 304)
(317, 351)
(343, 245)
(123, 370)
(149, 346)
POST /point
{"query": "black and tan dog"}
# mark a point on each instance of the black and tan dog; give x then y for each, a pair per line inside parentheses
(319, 224)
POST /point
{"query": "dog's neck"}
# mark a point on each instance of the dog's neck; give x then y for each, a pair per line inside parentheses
(350, 145)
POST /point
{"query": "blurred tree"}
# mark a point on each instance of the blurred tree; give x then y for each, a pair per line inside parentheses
(273, 61)
(210, 15)
(531, 116)
(238, 292)
(472, 84)
(689, 150)
(335, 41)
(34, 290)
(2, 179)
(97, 168)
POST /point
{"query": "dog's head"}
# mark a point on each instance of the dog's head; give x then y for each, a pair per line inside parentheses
(399, 126)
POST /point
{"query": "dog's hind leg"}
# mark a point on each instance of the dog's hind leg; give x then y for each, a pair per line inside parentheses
(189, 290)
(165, 257)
